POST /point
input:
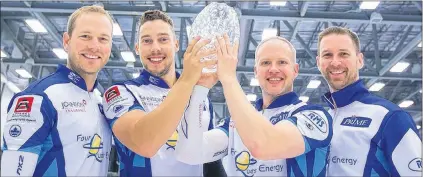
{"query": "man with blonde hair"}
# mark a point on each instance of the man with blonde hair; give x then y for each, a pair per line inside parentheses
(55, 126)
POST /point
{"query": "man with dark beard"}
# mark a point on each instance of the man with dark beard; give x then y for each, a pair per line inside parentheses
(144, 112)
(372, 136)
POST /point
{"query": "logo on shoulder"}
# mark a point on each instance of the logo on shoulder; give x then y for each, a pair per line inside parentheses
(111, 94)
(318, 122)
(415, 164)
(355, 121)
(279, 117)
(117, 108)
(24, 104)
(15, 131)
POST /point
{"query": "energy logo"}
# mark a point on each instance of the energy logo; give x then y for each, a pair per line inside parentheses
(242, 161)
(95, 146)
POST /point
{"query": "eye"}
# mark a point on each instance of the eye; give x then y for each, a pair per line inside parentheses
(283, 62)
(84, 36)
(147, 41)
(327, 55)
(345, 54)
(163, 39)
(265, 62)
(104, 39)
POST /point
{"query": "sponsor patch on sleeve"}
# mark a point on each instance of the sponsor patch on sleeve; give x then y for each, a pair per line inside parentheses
(112, 93)
(24, 104)
(23, 120)
(313, 124)
(117, 101)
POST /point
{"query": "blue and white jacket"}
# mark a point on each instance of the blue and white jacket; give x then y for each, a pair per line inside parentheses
(372, 136)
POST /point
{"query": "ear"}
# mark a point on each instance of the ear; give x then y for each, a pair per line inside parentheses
(360, 60)
(318, 62)
(176, 45)
(136, 49)
(296, 70)
(66, 39)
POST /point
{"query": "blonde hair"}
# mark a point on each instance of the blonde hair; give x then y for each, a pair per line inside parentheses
(278, 38)
(83, 10)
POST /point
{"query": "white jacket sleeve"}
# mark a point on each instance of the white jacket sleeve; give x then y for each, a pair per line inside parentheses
(197, 144)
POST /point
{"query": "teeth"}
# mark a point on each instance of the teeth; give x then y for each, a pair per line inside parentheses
(91, 56)
(156, 59)
(337, 72)
(275, 79)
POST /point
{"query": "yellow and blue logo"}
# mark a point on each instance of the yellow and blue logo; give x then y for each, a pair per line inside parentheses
(242, 161)
(171, 142)
(95, 146)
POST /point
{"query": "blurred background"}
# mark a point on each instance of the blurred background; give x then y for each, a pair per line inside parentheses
(390, 34)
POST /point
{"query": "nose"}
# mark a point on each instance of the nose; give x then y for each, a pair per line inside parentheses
(155, 47)
(94, 45)
(335, 62)
(274, 68)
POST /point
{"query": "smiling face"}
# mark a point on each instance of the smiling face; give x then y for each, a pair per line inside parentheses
(157, 46)
(339, 60)
(89, 44)
(275, 67)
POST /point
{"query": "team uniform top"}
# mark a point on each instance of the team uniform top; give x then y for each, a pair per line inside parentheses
(55, 128)
(372, 136)
(145, 93)
(312, 121)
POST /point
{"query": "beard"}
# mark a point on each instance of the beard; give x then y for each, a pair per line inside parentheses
(338, 84)
(160, 73)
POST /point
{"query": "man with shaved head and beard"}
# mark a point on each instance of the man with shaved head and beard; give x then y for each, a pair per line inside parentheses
(372, 136)
(280, 136)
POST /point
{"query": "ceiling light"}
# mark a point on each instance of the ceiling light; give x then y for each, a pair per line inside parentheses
(399, 67)
(304, 98)
(406, 103)
(254, 82)
(23, 73)
(277, 3)
(268, 32)
(313, 84)
(36, 26)
(117, 31)
(3, 54)
(419, 127)
(369, 5)
(13, 87)
(251, 97)
(376, 87)
(60, 53)
(420, 45)
(128, 56)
